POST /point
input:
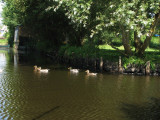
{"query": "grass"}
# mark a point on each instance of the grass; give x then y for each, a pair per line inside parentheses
(153, 46)
(3, 42)
(152, 53)
(155, 43)
(108, 47)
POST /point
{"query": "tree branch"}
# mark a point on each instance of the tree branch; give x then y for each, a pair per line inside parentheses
(117, 49)
(152, 29)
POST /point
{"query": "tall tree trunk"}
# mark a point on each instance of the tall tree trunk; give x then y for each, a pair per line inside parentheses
(137, 42)
(126, 44)
(149, 37)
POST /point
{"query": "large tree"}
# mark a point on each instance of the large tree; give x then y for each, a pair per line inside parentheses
(47, 27)
(87, 18)
(124, 17)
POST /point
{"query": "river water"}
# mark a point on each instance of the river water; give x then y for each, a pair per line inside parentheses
(60, 95)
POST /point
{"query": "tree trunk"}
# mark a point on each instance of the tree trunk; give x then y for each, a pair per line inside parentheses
(149, 37)
(125, 40)
(137, 42)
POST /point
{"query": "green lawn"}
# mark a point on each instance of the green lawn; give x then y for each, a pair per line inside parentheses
(108, 47)
(154, 45)
(3, 42)
(152, 53)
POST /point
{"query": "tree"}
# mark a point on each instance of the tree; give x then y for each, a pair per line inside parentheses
(10, 18)
(87, 19)
(125, 17)
(47, 27)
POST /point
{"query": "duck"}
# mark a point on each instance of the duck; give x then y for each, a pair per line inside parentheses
(35, 67)
(42, 70)
(73, 70)
(88, 73)
(1, 70)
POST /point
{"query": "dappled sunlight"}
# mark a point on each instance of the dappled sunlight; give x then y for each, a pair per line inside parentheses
(108, 47)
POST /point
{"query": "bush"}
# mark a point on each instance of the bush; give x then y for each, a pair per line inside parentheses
(83, 51)
(132, 60)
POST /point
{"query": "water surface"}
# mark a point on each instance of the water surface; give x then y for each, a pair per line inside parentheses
(60, 95)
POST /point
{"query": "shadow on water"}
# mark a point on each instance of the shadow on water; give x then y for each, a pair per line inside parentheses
(146, 111)
(47, 112)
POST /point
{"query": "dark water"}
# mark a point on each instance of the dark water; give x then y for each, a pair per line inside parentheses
(61, 95)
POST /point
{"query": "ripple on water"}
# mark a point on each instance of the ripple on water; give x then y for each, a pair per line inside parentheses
(26, 94)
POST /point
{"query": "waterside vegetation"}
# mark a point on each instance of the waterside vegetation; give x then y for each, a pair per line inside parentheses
(3, 42)
(88, 28)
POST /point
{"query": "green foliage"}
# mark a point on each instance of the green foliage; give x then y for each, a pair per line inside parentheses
(116, 17)
(10, 36)
(3, 42)
(132, 60)
(153, 66)
(155, 43)
(84, 51)
(73, 22)
(112, 13)
(44, 46)
(42, 25)
(153, 57)
(90, 51)
(62, 49)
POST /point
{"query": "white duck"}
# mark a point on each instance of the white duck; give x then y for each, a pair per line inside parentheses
(73, 70)
(42, 70)
(88, 73)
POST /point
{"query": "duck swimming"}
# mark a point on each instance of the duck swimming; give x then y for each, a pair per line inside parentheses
(35, 67)
(42, 70)
(88, 73)
(73, 70)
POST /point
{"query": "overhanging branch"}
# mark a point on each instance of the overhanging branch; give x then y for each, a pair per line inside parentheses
(117, 49)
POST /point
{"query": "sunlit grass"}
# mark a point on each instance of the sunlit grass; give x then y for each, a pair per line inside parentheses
(108, 47)
(3, 42)
(156, 40)
(152, 53)
(151, 50)
(154, 46)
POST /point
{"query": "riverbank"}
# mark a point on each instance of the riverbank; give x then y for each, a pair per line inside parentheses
(3, 41)
(112, 62)
(103, 58)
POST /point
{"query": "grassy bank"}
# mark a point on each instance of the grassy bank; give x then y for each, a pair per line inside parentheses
(108, 53)
(3, 42)
(90, 51)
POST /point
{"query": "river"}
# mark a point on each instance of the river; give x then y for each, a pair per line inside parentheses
(61, 95)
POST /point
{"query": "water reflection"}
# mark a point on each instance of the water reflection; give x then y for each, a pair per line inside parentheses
(89, 79)
(3, 60)
(26, 94)
(147, 82)
(16, 59)
(119, 81)
(73, 74)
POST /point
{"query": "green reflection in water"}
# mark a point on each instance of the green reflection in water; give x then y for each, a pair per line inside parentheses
(26, 94)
